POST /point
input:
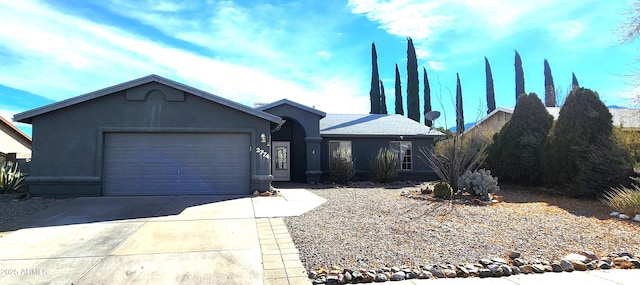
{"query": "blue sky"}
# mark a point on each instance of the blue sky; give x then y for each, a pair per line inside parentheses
(314, 52)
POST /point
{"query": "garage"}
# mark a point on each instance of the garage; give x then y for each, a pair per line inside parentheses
(176, 164)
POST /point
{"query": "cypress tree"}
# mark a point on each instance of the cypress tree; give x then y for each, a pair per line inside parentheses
(491, 96)
(549, 89)
(383, 99)
(374, 93)
(413, 100)
(427, 96)
(519, 76)
(574, 82)
(459, 112)
(399, 107)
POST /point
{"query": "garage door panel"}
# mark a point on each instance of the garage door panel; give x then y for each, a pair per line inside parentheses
(176, 163)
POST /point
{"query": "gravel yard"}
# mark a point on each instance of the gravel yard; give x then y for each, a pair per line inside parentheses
(376, 227)
(11, 209)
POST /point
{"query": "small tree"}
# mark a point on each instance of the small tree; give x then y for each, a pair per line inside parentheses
(398, 86)
(459, 110)
(413, 100)
(519, 76)
(427, 96)
(583, 158)
(574, 82)
(374, 93)
(515, 152)
(383, 99)
(549, 88)
(384, 166)
(341, 167)
(491, 96)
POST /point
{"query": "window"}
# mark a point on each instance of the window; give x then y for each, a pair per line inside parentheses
(340, 147)
(403, 150)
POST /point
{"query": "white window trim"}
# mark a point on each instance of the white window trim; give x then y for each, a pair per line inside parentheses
(401, 155)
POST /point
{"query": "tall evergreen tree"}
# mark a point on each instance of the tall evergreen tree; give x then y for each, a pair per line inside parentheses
(491, 96)
(413, 98)
(574, 82)
(383, 99)
(519, 76)
(374, 93)
(399, 106)
(459, 111)
(549, 88)
(427, 96)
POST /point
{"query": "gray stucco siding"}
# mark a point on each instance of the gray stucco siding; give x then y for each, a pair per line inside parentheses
(67, 143)
(365, 148)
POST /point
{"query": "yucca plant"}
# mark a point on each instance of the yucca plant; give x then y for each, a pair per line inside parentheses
(623, 200)
(384, 166)
(11, 179)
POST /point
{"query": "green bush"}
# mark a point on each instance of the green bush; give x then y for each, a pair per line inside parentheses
(630, 141)
(623, 200)
(341, 167)
(11, 179)
(453, 157)
(515, 154)
(442, 190)
(384, 166)
(479, 183)
(582, 157)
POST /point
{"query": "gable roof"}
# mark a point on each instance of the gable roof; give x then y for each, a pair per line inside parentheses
(294, 104)
(27, 116)
(468, 127)
(15, 130)
(373, 125)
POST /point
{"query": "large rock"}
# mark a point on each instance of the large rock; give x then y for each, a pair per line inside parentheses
(449, 273)
(437, 272)
(398, 276)
(566, 265)
(381, 277)
(538, 268)
(556, 267)
(526, 269)
(576, 257)
(514, 254)
(519, 262)
(368, 277)
(484, 273)
(579, 265)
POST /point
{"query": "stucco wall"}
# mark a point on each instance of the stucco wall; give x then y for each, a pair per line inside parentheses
(67, 143)
(10, 144)
(365, 148)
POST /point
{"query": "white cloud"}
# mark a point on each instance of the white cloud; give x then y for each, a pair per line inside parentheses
(566, 31)
(65, 55)
(436, 65)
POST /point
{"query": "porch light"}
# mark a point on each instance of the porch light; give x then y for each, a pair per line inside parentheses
(263, 138)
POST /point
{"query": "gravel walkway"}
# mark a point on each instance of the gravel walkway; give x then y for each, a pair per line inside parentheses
(376, 227)
(12, 210)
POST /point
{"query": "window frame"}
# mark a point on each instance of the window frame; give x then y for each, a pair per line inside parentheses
(405, 163)
(342, 144)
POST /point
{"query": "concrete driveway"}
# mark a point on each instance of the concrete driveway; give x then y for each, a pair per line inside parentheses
(143, 240)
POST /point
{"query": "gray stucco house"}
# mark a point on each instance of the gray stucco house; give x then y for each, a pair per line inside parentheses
(155, 136)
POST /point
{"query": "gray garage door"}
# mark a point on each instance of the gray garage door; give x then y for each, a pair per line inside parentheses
(176, 164)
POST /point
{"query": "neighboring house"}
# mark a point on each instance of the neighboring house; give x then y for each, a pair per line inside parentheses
(626, 118)
(154, 136)
(13, 141)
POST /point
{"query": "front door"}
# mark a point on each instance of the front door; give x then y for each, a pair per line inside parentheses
(281, 161)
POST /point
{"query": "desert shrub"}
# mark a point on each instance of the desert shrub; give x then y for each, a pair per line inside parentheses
(442, 190)
(11, 179)
(582, 156)
(453, 157)
(515, 154)
(623, 199)
(479, 183)
(341, 167)
(384, 166)
(630, 141)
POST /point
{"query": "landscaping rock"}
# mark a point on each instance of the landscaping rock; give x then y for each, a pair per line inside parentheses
(538, 268)
(635, 262)
(449, 273)
(425, 275)
(566, 265)
(368, 277)
(357, 277)
(506, 270)
(398, 276)
(590, 255)
(484, 273)
(526, 269)
(381, 277)
(556, 267)
(437, 272)
(515, 270)
(514, 254)
(347, 277)
(485, 262)
(462, 271)
(579, 265)
(519, 262)
(593, 265)
(576, 257)
(604, 265)
(636, 218)
(499, 260)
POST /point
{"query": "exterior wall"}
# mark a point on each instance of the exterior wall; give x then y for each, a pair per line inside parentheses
(310, 145)
(10, 142)
(67, 143)
(364, 149)
(495, 123)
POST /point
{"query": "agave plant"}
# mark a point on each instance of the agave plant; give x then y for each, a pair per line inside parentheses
(11, 179)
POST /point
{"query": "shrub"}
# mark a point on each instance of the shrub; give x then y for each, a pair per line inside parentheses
(341, 167)
(479, 183)
(384, 166)
(630, 141)
(515, 154)
(623, 200)
(452, 157)
(11, 179)
(583, 157)
(442, 190)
